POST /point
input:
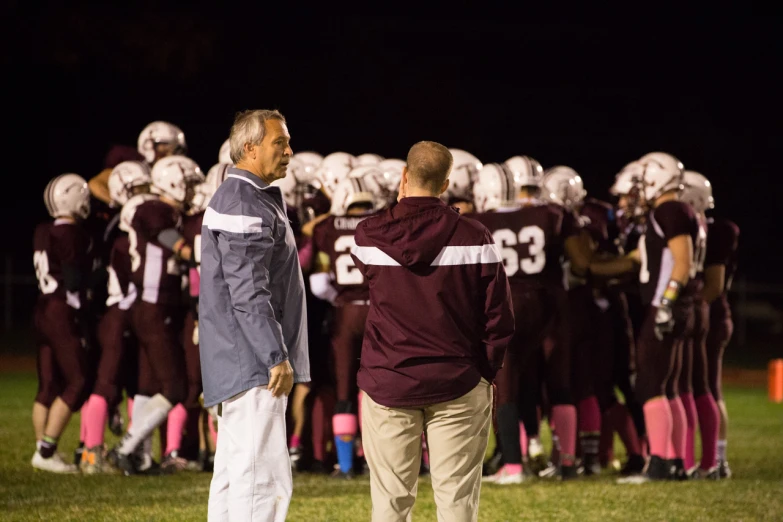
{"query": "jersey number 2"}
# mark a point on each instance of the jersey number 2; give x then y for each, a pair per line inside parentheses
(345, 270)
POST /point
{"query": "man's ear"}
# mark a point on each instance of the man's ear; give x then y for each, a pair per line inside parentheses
(250, 150)
(445, 186)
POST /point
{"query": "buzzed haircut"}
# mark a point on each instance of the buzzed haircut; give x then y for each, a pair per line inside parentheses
(429, 164)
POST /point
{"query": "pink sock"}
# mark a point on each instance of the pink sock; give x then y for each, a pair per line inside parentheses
(295, 441)
(212, 431)
(523, 439)
(513, 469)
(709, 421)
(564, 419)
(622, 422)
(130, 409)
(679, 427)
(97, 415)
(589, 416)
(690, 433)
(176, 423)
(658, 419)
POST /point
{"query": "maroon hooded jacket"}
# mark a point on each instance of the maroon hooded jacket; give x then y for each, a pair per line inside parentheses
(440, 307)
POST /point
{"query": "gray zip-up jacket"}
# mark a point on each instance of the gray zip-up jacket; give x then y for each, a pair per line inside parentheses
(252, 313)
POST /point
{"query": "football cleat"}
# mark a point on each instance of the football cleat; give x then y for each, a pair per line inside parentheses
(537, 459)
(504, 478)
(678, 471)
(93, 462)
(124, 463)
(591, 465)
(704, 474)
(172, 463)
(342, 475)
(633, 466)
(657, 469)
(724, 471)
(54, 464)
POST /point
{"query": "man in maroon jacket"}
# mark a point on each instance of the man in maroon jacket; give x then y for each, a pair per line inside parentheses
(439, 321)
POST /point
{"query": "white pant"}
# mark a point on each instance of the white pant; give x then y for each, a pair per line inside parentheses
(252, 477)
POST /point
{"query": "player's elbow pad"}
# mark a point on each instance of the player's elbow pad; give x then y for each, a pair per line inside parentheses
(321, 287)
(169, 237)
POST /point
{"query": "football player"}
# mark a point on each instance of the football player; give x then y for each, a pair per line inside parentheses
(694, 386)
(666, 259)
(719, 266)
(63, 261)
(195, 438)
(336, 279)
(532, 236)
(156, 248)
(129, 181)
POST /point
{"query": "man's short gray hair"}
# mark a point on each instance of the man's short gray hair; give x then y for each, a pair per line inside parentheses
(249, 128)
(429, 164)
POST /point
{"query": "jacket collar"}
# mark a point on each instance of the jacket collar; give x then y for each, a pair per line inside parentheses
(249, 177)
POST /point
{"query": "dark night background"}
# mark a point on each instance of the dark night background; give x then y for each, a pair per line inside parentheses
(592, 91)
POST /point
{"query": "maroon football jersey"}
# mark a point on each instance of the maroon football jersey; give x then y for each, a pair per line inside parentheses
(155, 270)
(191, 231)
(55, 245)
(120, 290)
(531, 240)
(598, 219)
(667, 221)
(722, 241)
(334, 237)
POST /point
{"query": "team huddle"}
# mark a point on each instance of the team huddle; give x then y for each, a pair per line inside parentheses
(620, 310)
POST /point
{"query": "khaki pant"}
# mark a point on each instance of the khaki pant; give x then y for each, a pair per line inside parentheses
(457, 434)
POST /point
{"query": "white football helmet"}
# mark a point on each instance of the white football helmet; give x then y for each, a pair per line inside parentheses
(662, 173)
(307, 165)
(496, 188)
(460, 186)
(528, 172)
(224, 156)
(627, 179)
(368, 159)
(202, 194)
(288, 186)
(697, 192)
(350, 191)
(125, 178)
(67, 195)
(467, 162)
(160, 132)
(129, 209)
(175, 177)
(333, 169)
(392, 173)
(563, 186)
(374, 181)
(217, 174)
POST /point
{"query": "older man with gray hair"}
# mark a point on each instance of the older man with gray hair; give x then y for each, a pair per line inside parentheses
(252, 323)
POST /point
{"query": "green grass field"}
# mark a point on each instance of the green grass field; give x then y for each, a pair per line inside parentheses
(756, 492)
